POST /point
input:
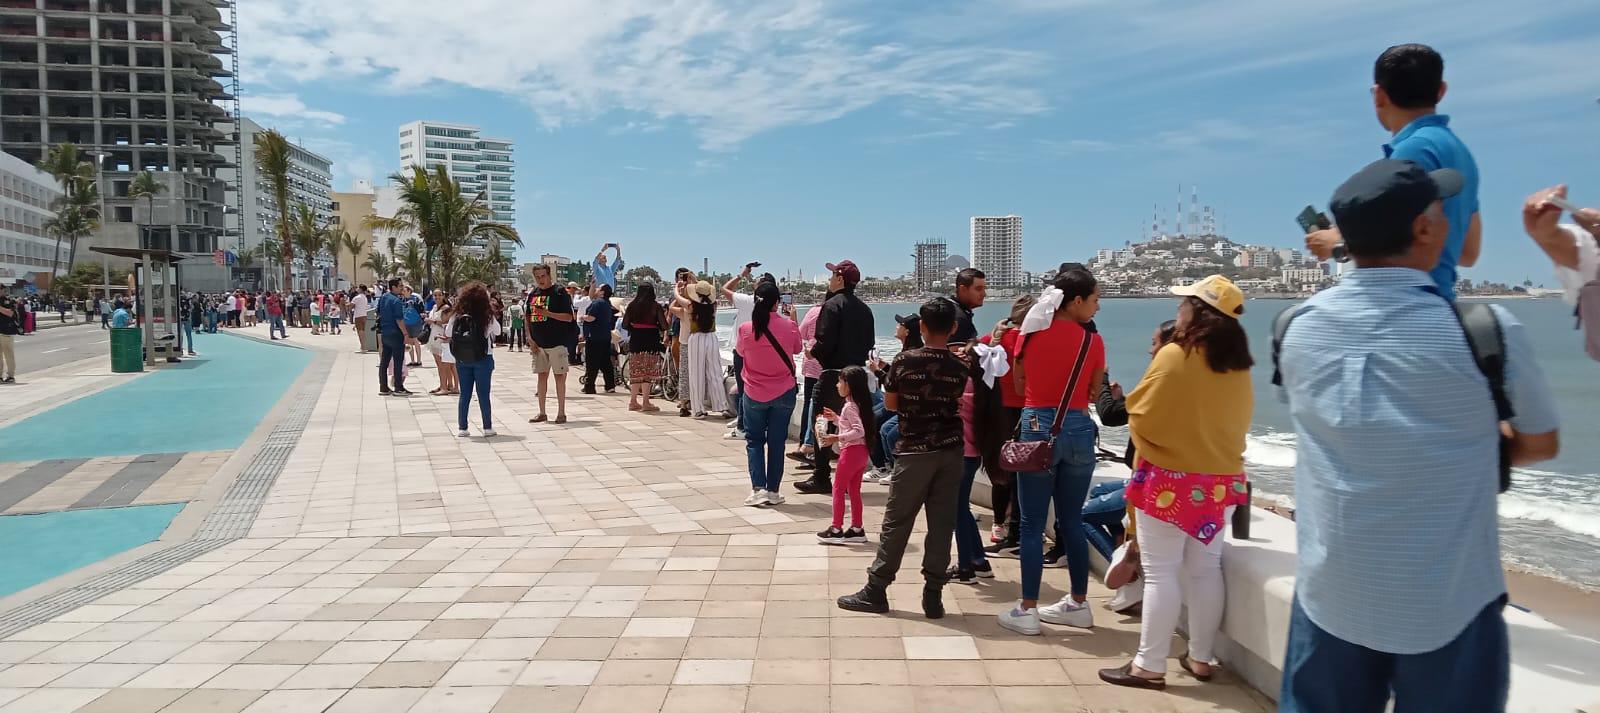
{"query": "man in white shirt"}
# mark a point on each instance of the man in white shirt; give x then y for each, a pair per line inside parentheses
(358, 314)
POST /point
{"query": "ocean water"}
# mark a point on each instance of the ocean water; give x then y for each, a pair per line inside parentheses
(1550, 520)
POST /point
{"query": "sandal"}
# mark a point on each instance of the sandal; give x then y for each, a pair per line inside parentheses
(1123, 676)
(541, 418)
(650, 408)
(634, 407)
(1183, 660)
(561, 418)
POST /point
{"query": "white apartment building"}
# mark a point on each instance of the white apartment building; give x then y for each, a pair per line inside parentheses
(997, 248)
(482, 164)
(310, 183)
(27, 250)
(1303, 276)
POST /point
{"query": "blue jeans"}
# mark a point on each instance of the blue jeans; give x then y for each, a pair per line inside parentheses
(879, 456)
(188, 334)
(1102, 517)
(888, 436)
(276, 327)
(766, 429)
(808, 413)
(474, 373)
(1067, 484)
(1325, 674)
(391, 350)
(969, 544)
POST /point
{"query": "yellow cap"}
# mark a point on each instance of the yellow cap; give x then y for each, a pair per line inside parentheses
(1217, 291)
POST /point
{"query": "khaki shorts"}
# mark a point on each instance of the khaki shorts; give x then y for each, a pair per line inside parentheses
(551, 359)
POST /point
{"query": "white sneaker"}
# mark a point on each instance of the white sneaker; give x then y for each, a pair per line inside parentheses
(1126, 597)
(463, 433)
(757, 498)
(489, 433)
(1068, 613)
(1022, 621)
(775, 498)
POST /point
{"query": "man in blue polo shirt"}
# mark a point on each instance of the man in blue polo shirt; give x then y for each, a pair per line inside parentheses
(392, 338)
(1408, 84)
(602, 273)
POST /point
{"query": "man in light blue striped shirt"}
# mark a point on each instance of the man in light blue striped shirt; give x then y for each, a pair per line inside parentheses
(1400, 587)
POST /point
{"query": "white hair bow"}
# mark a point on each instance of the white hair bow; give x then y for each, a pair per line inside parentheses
(1043, 311)
(992, 359)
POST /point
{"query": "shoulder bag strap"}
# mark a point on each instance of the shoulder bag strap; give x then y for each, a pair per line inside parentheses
(788, 361)
(1072, 383)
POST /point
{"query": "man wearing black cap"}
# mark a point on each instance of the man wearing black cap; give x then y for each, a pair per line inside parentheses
(1398, 432)
(844, 338)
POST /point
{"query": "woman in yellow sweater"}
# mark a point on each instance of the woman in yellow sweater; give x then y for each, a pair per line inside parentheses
(1188, 417)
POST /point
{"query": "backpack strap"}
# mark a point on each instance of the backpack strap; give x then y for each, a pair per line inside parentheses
(1488, 344)
(1280, 329)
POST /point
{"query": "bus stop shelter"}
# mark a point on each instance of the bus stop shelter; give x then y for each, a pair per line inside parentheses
(157, 294)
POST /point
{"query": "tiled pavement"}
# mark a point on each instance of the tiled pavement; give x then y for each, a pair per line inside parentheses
(112, 481)
(600, 566)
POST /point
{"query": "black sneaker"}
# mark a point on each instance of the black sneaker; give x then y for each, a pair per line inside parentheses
(831, 536)
(402, 392)
(1055, 557)
(872, 600)
(385, 392)
(960, 576)
(1006, 548)
(983, 571)
(855, 536)
(814, 485)
(932, 601)
(800, 457)
(806, 465)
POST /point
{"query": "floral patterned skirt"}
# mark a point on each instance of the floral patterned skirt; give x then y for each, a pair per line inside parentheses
(1194, 502)
(644, 367)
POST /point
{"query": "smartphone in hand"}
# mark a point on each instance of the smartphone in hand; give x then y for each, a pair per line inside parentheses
(1311, 220)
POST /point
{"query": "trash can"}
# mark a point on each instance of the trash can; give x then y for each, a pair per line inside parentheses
(127, 350)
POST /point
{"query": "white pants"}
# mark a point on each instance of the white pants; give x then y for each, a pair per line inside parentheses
(8, 355)
(706, 392)
(1177, 568)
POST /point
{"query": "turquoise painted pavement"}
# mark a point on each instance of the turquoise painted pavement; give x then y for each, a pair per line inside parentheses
(207, 403)
(35, 548)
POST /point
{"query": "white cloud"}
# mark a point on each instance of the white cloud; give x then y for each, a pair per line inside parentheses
(286, 106)
(727, 68)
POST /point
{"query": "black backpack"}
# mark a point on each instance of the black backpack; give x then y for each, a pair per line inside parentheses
(466, 340)
(1485, 339)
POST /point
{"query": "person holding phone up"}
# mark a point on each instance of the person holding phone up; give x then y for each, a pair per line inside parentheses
(600, 272)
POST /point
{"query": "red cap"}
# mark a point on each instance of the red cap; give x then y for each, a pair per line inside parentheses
(846, 269)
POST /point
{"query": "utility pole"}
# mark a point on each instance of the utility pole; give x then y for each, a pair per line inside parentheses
(100, 184)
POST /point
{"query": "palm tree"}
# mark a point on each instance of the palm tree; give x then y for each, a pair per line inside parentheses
(272, 160)
(310, 237)
(412, 258)
(354, 245)
(443, 219)
(146, 186)
(78, 187)
(334, 236)
(73, 220)
(380, 265)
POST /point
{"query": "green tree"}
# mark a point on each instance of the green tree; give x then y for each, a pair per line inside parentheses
(79, 191)
(354, 245)
(444, 220)
(272, 160)
(412, 259)
(77, 216)
(310, 238)
(380, 265)
(642, 273)
(146, 186)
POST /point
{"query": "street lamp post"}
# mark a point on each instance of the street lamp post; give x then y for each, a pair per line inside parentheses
(100, 180)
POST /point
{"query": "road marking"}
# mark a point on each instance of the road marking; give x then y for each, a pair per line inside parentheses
(52, 351)
(104, 341)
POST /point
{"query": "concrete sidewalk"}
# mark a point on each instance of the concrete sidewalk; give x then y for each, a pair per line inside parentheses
(602, 565)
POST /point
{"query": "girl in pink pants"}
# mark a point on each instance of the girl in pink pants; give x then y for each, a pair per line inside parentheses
(853, 441)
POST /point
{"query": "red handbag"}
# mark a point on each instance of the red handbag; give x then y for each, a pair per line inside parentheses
(1020, 456)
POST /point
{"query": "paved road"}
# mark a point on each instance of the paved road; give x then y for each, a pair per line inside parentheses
(52, 347)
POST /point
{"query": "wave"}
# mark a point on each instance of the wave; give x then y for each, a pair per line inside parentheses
(1274, 450)
(1578, 518)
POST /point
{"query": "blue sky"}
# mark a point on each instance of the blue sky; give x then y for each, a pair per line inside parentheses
(796, 132)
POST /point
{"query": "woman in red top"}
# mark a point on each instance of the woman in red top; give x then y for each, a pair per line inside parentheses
(1047, 353)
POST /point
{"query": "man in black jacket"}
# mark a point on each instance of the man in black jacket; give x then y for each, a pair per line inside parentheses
(844, 338)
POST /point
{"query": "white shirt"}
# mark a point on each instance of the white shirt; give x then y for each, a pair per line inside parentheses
(743, 307)
(1588, 264)
(358, 306)
(232, 303)
(580, 304)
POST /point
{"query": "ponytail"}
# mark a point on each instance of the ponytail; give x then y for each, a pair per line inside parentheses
(767, 297)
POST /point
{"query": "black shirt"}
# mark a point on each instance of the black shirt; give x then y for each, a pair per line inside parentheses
(605, 318)
(548, 332)
(844, 334)
(928, 384)
(9, 325)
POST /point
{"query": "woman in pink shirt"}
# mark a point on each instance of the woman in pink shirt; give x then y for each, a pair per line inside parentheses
(766, 345)
(810, 372)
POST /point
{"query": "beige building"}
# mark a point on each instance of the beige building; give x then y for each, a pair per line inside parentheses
(350, 211)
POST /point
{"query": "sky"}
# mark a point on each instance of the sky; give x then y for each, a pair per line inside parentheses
(798, 132)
